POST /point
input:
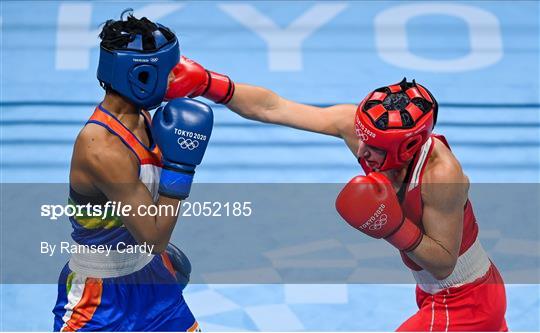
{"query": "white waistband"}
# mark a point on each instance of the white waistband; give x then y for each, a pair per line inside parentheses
(111, 265)
(470, 266)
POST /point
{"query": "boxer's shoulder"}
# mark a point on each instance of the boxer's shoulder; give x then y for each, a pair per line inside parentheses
(344, 113)
(443, 176)
(101, 153)
(443, 166)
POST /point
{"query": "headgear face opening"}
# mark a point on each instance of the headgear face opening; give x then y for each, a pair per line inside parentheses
(397, 119)
(137, 74)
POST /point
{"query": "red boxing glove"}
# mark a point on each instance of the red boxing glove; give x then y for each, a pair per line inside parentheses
(192, 80)
(370, 205)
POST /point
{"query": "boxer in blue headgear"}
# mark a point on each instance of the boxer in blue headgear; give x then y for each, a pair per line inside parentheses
(135, 65)
(122, 156)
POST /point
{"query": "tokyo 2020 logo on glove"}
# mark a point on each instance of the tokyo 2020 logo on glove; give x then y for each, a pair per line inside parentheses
(378, 224)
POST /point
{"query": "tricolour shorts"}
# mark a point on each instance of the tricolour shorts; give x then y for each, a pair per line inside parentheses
(149, 299)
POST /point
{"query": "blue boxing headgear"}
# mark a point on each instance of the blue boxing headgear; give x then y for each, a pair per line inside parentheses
(137, 74)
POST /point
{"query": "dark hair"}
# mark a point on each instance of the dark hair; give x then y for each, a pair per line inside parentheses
(116, 35)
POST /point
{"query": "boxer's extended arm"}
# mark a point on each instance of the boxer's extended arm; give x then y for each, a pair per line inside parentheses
(263, 105)
(114, 172)
(256, 103)
(444, 194)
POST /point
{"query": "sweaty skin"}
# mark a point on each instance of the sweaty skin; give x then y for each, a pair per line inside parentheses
(444, 187)
(101, 163)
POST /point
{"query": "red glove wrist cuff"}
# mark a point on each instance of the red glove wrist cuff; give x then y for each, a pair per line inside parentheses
(407, 237)
(220, 88)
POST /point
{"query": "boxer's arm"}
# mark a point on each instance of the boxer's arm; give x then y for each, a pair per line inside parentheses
(256, 103)
(115, 173)
(263, 105)
(444, 194)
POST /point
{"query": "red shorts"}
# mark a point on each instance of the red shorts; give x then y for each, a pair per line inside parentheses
(476, 306)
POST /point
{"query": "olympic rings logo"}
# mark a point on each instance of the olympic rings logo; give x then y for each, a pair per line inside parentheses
(377, 225)
(360, 134)
(363, 137)
(187, 143)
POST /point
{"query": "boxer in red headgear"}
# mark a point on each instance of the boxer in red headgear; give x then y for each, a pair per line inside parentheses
(414, 194)
(398, 120)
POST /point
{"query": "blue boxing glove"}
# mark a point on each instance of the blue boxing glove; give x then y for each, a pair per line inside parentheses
(181, 129)
(181, 264)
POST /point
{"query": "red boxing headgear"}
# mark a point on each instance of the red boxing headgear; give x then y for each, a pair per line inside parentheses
(397, 119)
